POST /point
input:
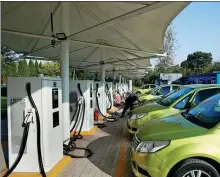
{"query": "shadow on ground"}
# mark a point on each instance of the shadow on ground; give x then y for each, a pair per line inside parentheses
(107, 150)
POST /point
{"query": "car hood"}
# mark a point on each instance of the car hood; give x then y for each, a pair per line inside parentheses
(169, 128)
(149, 97)
(148, 107)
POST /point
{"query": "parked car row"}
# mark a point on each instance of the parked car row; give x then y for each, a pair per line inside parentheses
(177, 135)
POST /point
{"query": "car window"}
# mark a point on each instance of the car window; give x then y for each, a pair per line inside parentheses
(156, 91)
(165, 90)
(152, 86)
(4, 91)
(175, 96)
(175, 87)
(204, 94)
(146, 87)
(182, 103)
(207, 113)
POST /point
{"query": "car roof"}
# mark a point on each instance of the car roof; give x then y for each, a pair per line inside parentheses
(164, 85)
(199, 86)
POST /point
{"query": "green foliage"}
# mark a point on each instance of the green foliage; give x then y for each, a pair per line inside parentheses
(21, 68)
(26, 68)
(36, 68)
(8, 69)
(32, 69)
(13, 69)
(51, 69)
(197, 61)
(138, 83)
(216, 66)
(40, 65)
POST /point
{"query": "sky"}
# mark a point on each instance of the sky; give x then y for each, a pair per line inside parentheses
(197, 28)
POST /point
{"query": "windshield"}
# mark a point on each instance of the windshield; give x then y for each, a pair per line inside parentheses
(167, 101)
(155, 91)
(142, 87)
(207, 113)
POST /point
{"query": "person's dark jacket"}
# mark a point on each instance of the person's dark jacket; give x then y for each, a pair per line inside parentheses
(131, 98)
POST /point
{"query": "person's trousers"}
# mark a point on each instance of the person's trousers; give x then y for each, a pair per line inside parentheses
(127, 106)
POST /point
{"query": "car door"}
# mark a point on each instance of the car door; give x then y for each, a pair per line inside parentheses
(196, 97)
(204, 94)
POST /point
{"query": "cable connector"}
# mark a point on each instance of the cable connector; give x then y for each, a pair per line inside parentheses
(29, 115)
(80, 100)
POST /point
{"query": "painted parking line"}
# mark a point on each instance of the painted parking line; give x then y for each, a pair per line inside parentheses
(121, 165)
(120, 170)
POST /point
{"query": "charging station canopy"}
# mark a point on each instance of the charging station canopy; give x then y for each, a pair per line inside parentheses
(130, 32)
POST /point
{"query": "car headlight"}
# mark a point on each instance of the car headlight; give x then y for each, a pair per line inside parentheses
(138, 116)
(152, 146)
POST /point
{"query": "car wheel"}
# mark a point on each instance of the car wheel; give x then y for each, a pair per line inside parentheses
(196, 167)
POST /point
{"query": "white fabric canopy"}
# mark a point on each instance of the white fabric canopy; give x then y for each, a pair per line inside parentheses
(128, 31)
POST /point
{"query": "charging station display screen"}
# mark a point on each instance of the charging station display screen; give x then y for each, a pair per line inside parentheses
(91, 90)
(55, 101)
(56, 121)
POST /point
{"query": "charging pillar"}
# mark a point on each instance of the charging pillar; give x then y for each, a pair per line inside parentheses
(47, 98)
(64, 46)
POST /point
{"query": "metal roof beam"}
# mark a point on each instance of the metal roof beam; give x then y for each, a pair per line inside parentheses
(121, 60)
(111, 28)
(125, 16)
(79, 42)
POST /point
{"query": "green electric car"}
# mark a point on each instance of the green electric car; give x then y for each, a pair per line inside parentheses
(158, 93)
(179, 101)
(183, 145)
(145, 88)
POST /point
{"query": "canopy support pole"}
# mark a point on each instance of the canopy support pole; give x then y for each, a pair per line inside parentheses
(120, 79)
(74, 74)
(130, 85)
(102, 64)
(64, 50)
(114, 76)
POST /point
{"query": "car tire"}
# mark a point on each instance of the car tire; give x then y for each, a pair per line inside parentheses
(193, 165)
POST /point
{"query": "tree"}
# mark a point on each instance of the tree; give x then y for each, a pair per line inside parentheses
(170, 46)
(36, 67)
(216, 66)
(13, 69)
(26, 68)
(197, 61)
(32, 68)
(40, 68)
(51, 69)
(21, 68)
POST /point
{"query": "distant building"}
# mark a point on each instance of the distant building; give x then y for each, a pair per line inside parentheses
(210, 78)
(167, 78)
